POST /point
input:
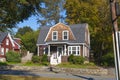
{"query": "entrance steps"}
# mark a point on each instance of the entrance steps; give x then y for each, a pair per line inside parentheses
(55, 60)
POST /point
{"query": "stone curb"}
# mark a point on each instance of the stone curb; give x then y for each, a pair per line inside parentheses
(100, 71)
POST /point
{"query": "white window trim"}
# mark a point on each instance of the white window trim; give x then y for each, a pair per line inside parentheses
(7, 49)
(56, 35)
(76, 50)
(2, 51)
(67, 35)
(7, 41)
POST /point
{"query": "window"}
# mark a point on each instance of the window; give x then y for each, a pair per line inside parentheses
(7, 50)
(2, 51)
(54, 35)
(7, 42)
(75, 50)
(65, 35)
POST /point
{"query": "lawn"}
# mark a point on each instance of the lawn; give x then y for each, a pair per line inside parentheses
(13, 77)
(24, 64)
(65, 65)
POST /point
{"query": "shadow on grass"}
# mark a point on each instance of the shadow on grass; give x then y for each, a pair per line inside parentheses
(83, 77)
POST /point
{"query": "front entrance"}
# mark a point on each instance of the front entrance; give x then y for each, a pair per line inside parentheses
(56, 56)
(59, 51)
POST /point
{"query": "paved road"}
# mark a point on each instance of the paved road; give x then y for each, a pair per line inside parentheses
(58, 75)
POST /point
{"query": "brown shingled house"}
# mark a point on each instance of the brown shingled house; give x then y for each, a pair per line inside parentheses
(60, 41)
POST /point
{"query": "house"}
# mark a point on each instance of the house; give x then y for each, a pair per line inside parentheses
(60, 41)
(7, 43)
(17, 42)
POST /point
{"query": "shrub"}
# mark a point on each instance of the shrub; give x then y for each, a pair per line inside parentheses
(70, 58)
(44, 58)
(76, 59)
(36, 59)
(45, 63)
(3, 64)
(108, 60)
(12, 56)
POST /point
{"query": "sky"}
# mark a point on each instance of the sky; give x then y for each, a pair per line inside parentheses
(31, 22)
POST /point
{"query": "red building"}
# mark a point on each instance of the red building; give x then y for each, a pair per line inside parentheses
(7, 43)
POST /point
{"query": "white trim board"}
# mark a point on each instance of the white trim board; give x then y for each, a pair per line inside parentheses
(11, 39)
(54, 26)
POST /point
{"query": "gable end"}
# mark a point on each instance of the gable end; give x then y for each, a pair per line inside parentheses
(59, 28)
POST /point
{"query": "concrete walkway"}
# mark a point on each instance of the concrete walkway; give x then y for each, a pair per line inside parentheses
(58, 75)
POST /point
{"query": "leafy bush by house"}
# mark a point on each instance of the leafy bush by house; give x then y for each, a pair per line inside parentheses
(76, 59)
(3, 64)
(13, 56)
(44, 58)
(108, 60)
(36, 59)
(70, 58)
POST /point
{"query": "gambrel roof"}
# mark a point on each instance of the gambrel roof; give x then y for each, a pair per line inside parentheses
(78, 31)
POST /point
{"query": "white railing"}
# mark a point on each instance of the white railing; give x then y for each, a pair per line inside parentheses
(59, 59)
(55, 61)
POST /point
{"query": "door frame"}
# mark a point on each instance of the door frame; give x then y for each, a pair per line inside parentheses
(58, 51)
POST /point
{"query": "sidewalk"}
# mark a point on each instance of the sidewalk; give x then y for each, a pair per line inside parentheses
(58, 75)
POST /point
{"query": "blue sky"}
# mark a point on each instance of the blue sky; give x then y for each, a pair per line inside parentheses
(31, 21)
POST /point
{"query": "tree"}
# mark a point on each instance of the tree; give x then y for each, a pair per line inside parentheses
(50, 12)
(14, 11)
(97, 14)
(29, 40)
(22, 31)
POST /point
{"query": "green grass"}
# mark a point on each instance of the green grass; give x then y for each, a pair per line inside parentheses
(31, 64)
(9, 63)
(24, 64)
(64, 65)
(3, 64)
(12, 63)
(69, 65)
(35, 64)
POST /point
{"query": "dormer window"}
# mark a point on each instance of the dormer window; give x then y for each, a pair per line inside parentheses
(7, 42)
(54, 35)
(65, 35)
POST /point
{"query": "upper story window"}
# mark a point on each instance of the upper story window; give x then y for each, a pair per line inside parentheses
(54, 35)
(65, 35)
(7, 42)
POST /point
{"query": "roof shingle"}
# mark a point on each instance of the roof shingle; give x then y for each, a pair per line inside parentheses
(78, 31)
(2, 36)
